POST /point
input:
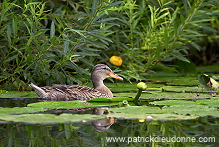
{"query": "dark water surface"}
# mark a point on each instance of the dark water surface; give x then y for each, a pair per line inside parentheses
(16, 102)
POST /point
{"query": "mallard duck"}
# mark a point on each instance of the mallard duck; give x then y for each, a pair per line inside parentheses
(79, 92)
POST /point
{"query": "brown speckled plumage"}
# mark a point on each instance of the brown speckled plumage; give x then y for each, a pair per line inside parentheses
(79, 92)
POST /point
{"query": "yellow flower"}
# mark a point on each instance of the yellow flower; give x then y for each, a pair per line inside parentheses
(141, 120)
(116, 60)
(142, 86)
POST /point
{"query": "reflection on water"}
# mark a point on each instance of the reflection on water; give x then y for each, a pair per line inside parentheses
(83, 134)
(16, 102)
(102, 125)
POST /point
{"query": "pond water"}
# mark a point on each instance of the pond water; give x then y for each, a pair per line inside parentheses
(16, 102)
(169, 113)
(198, 132)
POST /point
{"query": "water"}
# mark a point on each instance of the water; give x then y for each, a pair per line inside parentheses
(16, 102)
(132, 132)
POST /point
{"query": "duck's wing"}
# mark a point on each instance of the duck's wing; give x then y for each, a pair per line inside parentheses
(66, 92)
(75, 92)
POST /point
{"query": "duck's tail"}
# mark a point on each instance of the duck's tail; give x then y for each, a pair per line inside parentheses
(39, 91)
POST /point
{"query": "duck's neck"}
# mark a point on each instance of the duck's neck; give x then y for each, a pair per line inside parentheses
(99, 85)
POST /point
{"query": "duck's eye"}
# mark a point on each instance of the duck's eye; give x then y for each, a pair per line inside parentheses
(105, 68)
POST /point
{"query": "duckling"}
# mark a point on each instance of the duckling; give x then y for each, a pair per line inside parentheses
(59, 92)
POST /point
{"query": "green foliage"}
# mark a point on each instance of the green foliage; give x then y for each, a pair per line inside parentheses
(59, 41)
(41, 41)
(160, 31)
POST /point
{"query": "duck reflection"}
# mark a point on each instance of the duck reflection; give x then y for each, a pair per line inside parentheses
(102, 125)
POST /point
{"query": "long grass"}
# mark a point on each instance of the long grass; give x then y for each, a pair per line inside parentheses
(59, 41)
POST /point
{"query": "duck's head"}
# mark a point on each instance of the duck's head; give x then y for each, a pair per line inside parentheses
(101, 72)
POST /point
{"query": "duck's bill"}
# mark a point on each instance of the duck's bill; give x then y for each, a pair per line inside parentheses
(115, 76)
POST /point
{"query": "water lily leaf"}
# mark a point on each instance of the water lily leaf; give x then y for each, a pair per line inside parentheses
(16, 94)
(174, 102)
(184, 89)
(68, 104)
(184, 82)
(121, 87)
(131, 87)
(181, 89)
(114, 99)
(144, 93)
(50, 118)
(176, 95)
(144, 112)
(174, 81)
(214, 102)
(198, 110)
(199, 107)
(20, 110)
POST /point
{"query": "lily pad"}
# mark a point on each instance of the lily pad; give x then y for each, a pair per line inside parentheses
(193, 109)
(144, 93)
(50, 118)
(131, 87)
(109, 100)
(68, 104)
(16, 94)
(199, 107)
(214, 102)
(175, 95)
(20, 110)
(175, 81)
(144, 112)
(194, 89)
(188, 82)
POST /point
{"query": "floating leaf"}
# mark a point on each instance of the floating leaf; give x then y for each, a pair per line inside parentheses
(20, 110)
(199, 107)
(114, 99)
(182, 89)
(68, 104)
(49, 118)
(144, 112)
(16, 94)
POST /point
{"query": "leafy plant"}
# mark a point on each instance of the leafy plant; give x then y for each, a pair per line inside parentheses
(59, 41)
(39, 45)
(157, 31)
